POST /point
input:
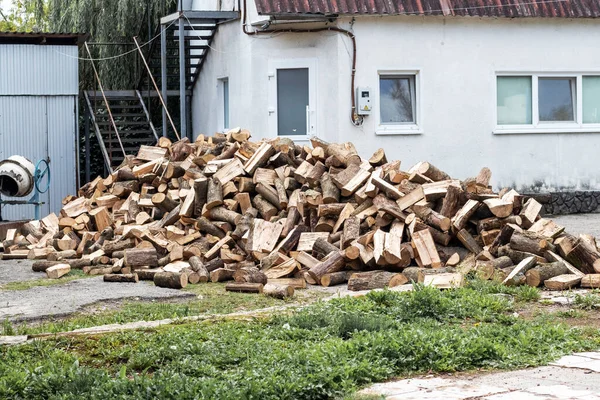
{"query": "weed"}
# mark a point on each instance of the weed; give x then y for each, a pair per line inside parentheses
(587, 301)
(326, 350)
(7, 328)
(571, 313)
(210, 299)
(520, 293)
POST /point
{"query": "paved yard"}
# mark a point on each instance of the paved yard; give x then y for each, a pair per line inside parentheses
(574, 377)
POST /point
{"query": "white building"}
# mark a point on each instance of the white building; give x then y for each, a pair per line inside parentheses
(514, 86)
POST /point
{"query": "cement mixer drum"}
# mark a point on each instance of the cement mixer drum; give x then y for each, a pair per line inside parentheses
(16, 176)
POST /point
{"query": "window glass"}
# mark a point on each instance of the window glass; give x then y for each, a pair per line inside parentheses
(556, 99)
(591, 99)
(397, 99)
(226, 103)
(292, 101)
(514, 100)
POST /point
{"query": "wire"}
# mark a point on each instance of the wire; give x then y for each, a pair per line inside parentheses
(119, 55)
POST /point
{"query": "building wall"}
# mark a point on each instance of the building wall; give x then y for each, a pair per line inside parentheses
(38, 117)
(456, 58)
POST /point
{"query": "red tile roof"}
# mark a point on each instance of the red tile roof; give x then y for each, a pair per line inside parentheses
(474, 8)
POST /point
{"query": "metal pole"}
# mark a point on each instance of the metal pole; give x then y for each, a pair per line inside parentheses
(182, 71)
(87, 144)
(163, 75)
(156, 87)
(148, 8)
(112, 120)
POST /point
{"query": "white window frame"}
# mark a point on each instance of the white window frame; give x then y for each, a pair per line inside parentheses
(538, 126)
(221, 100)
(415, 128)
(293, 63)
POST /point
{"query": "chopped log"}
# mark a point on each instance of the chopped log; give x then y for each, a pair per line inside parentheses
(265, 208)
(590, 281)
(432, 218)
(335, 278)
(584, 257)
(530, 211)
(222, 274)
(259, 158)
(378, 158)
(518, 256)
(444, 281)
(296, 283)
(147, 274)
(249, 275)
(278, 291)
(503, 238)
(214, 194)
(331, 193)
(171, 280)
(459, 221)
(500, 208)
(468, 241)
(42, 266)
(141, 257)
(323, 248)
(562, 282)
(244, 287)
(570, 267)
(58, 270)
(375, 280)
(485, 269)
(530, 242)
(522, 268)
(334, 263)
(163, 202)
(430, 171)
(205, 226)
(537, 275)
(131, 278)
(269, 194)
(223, 214)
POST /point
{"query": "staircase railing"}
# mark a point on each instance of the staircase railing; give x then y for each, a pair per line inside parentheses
(98, 133)
(139, 95)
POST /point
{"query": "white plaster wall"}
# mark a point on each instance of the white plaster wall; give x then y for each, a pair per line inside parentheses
(457, 59)
(244, 60)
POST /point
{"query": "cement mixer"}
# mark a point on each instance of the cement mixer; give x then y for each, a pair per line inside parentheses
(19, 177)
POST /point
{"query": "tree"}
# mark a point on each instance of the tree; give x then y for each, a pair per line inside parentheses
(24, 16)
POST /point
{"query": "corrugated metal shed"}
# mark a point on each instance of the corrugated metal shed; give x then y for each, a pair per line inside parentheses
(38, 115)
(474, 8)
(38, 70)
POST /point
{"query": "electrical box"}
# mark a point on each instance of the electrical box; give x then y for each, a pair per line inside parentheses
(363, 100)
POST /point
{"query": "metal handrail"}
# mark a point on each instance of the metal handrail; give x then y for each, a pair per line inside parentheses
(157, 90)
(98, 133)
(112, 120)
(139, 95)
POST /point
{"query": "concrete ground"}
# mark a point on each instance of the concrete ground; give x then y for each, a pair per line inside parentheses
(64, 299)
(576, 224)
(574, 377)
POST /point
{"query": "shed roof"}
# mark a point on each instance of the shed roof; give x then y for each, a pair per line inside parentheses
(474, 8)
(43, 38)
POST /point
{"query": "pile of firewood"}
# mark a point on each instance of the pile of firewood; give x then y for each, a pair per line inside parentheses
(273, 216)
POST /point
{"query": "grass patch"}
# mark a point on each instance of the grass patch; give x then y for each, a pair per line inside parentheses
(24, 285)
(210, 299)
(520, 293)
(327, 350)
(588, 301)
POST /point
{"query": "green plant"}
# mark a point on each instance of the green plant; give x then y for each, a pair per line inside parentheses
(588, 301)
(326, 350)
(7, 328)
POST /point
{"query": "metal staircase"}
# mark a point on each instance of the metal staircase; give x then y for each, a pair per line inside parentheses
(134, 127)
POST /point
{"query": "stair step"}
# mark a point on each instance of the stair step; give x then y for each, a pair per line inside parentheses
(118, 106)
(147, 132)
(122, 122)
